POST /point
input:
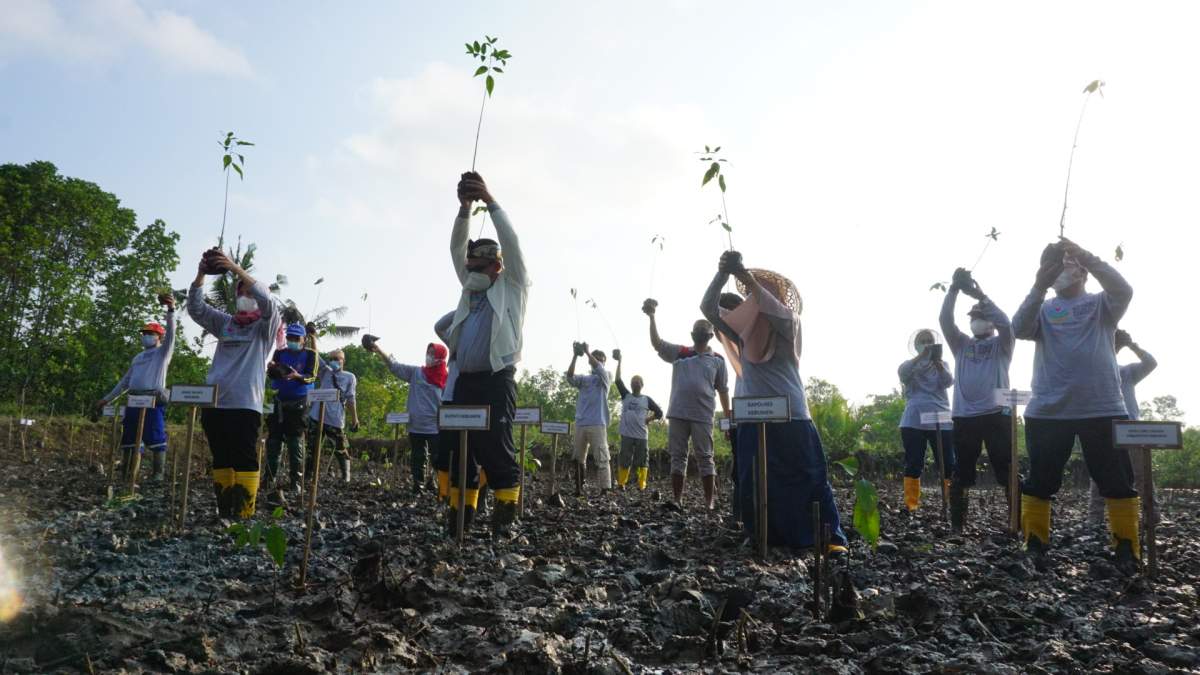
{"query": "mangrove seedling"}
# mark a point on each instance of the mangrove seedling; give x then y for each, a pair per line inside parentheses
(656, 243)
(866, 503)
(489, 55)
(714, 170)
(259, 533)
(1093, 87)
(994, 235)
(1119, 254)
(231, 158)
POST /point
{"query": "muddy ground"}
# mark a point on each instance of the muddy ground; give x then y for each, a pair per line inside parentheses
(616, 584)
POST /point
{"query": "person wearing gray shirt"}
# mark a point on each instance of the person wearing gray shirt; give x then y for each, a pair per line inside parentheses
(981, 362)
(332, 375)
(1076, 394)
(591, 416)
(1131, 375)
(425, 385)
(245, 341)
(637, 411)
(924, 380)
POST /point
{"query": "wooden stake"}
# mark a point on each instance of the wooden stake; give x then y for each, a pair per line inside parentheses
(1148, 525)
(554, 465)
(112, 450)
(462, 485)
(135, 459)
(174, 472)
(760, 492)
(521, 485)
(187, 468)
(396, 457)
(819, 556)
(312, 495)
(941, 465)
(1014, 485)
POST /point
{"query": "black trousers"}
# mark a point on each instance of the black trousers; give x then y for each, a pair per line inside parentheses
(971, 434)
(232, 435)
(288, 421)
(1050, 443)
(493, 449)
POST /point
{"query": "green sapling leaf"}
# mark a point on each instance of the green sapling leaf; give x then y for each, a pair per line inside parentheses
(277, 544)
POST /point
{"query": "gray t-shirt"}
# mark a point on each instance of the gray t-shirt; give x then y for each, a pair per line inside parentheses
(1131, 374)
(695, 380)
(980, 365)
(239, 363)
(148, 370)
(474, 354)
(335, 413)
(592, 408)
(924, 387)
(423, 398)
(1075, 372)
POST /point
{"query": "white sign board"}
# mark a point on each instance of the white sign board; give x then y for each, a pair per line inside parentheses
(324, 396)
(558, 428)
(527, 416)
(1134, 434)
(1012, 397)
(761, 409)
(138, 401)
(26, 422)
(723, 424)
(940, 417)
(464, 417)
(397, 418)
(109, 411)
(194, 394)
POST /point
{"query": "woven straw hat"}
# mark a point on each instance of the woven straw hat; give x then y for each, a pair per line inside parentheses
(778, 285)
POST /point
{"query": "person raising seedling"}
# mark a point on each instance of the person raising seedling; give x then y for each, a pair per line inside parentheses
(591, 416)
(765, 329)
(924, 380)
(333, 375)
(147, 374)
(425, 385)
(292, 372)
(1131, 375)
(698, 376)
(244, 343)
(981, 362)
(637, 411)
(484, 338)
(1076, 394)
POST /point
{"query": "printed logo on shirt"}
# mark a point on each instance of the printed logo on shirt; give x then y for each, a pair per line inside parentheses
(1057, 314)
(1085, 310)
(979, 351)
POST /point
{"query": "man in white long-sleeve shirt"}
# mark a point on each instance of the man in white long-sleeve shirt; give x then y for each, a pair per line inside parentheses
(1076, 393)
(484, 338)
(147, 374)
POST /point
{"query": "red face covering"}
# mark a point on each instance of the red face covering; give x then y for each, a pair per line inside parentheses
(436, 374)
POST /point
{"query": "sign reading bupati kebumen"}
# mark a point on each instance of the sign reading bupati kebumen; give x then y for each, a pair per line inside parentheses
(140, 401)
(1137, 434)
(556, 428)
(1012, 397)
(761, 409)
(939, 417)
(527, 416)
(324, 396)
(109, 411)
(397, 418)
(194, 394)
(464, 417)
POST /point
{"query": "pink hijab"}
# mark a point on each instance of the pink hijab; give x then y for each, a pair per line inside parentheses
(750, 321)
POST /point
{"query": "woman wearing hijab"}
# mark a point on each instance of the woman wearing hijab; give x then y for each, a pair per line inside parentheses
(765, 333)
(925, 380)
(424, 396)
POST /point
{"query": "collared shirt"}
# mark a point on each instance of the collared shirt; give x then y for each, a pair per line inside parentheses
(335, 412)
(696, 377)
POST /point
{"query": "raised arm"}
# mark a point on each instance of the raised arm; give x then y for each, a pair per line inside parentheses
(442, 327)
(510, 245)
(1146, 362)
(954, 337)
(710, 308)
(649, 307)
(1117, 291)
(460, 234)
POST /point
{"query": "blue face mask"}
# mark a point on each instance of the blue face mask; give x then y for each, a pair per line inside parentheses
(335, 365)
(294, 346)
(149, 341)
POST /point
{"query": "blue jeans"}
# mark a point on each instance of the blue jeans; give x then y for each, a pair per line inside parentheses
(154, 429)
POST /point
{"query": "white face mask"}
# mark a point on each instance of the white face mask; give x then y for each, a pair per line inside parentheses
(477, 281)
(149, 341)
(245, 304)
(429, 361)
(981, 327)
(1067, 278)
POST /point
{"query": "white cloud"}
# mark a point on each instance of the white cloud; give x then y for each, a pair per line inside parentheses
(100, 32)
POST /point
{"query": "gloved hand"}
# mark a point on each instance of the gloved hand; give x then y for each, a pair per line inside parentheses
(368, 342)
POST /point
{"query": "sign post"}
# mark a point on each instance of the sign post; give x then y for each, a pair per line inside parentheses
(554, 430)
(320, 397)
(1144, 437)
(937, 419)
(115, 412)
(1013, 398)
(398, 419)
(761, 410)
(193, 396)
(524, 417)
(141, 402)
(463, 419)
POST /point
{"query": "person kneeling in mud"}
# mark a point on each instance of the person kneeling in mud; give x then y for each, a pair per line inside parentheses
(244, 344)
(425, 385)
(147, 375)
(637, 411)
(333, 376)
(981, 363)
(765, 327)
(591, 417)
(292, 372)
(925, 379)
(1076, 394)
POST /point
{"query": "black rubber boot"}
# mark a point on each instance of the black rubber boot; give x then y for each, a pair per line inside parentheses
(344, 464)
(1126, 563)
(503, 518)
(1038, 553)
(958, 509)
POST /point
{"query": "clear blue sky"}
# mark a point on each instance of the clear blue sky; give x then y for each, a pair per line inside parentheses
(872, 146)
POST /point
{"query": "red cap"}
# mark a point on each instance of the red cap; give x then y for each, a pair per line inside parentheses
(154, 327)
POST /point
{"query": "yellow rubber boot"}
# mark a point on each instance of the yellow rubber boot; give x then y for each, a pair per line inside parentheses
(643, 473)
(482, 479)
(248, 481)
(1123, 522)
(222, 480)
(472, 498)
(508, 495)
(622, 476)
(443, 480)
(1035, 519)
(912, 493)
